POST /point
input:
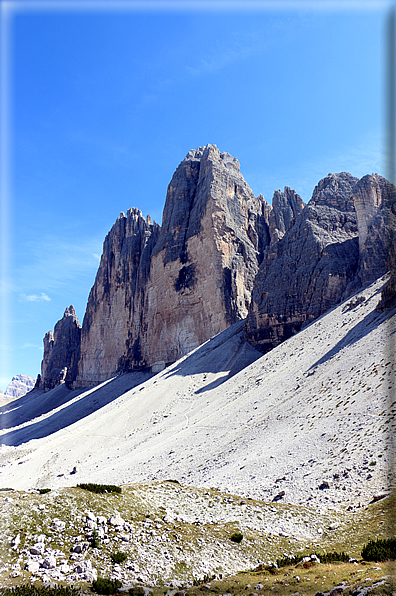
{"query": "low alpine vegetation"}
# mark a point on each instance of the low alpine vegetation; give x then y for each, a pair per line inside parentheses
(103, 585)
(119, 557)
(380, 550)
(100, 488)
(94, 540)
(29, 590)
(236, 537)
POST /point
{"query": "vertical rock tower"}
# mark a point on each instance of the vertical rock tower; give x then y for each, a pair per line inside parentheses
(207, 255)
(61, 352)
(162, 291)
(112, 323)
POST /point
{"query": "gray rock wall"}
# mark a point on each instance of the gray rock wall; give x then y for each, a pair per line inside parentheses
(337, 245)
(61, 351)
(112, 324)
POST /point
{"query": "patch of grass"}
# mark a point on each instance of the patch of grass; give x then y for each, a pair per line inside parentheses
(333, 557)
(44, 491)
(118, 557)
(136, 591)
(100, 488)
(104, 585)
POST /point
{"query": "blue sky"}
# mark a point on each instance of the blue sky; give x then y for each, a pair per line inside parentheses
(103, 104)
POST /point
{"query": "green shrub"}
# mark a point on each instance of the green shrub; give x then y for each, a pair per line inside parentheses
(136, 591)
(118, 557)
(94, 539)
(323, 558)
(380, 550)
(237, 537)
(100, 488)
(106, 586)
(333, 557)
(206, 578)
(29, 590)
(43, 491)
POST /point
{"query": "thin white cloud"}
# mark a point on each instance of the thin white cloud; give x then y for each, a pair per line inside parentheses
(96, 256)
(35, 297)
(30, 345)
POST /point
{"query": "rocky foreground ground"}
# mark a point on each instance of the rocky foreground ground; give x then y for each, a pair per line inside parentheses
(175, 536)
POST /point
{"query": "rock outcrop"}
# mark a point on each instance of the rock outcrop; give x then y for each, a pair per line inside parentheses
(206, 258)
(337, 245)
(61, 352)
(111, 331)
(307, 270)
(373, 197)
(19, 386)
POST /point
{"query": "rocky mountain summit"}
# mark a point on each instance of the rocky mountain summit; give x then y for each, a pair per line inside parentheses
(19, 386)
(221, 255)
(338, 244)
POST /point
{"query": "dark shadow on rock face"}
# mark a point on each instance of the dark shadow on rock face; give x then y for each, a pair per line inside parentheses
(96, 399)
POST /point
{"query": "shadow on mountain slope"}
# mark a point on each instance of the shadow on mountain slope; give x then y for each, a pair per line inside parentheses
(89, 401)
(228, 351)
(35, 404)
(361, 329)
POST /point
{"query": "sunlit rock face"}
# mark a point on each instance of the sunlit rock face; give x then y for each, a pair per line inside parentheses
(18, 386)
(161, 291)
(373, 197)
(113, 318)
(203, 266)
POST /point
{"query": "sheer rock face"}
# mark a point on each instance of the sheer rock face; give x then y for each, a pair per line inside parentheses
(373, 197)
(286, 207)
(110, 340)
(205, 261)
(61, 351)
(308, 270)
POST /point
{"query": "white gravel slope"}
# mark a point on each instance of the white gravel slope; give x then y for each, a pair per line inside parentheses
(310, 410)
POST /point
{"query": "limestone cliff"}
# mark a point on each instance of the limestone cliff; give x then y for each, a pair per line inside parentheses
(19, 386)
(61, 351)
(336, 245)
(161, 291)
(206, 258)
(306, 271)
(113, 319)
(372, 197)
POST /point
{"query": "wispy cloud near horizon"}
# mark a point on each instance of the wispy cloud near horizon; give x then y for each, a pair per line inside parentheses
(35, 297)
